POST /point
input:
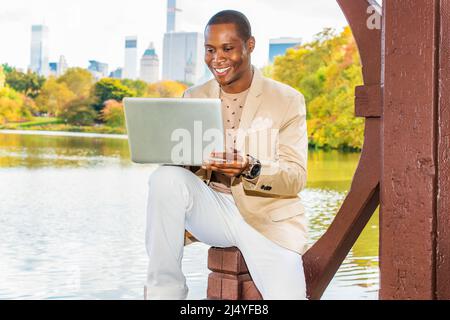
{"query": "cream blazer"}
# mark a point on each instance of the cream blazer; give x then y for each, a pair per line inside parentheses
(272, 129)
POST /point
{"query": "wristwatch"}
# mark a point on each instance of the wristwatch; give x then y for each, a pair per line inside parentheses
(253, 169)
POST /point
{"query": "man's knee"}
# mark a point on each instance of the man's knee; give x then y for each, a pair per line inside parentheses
(167, 176)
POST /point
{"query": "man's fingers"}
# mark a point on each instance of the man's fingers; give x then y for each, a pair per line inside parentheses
(231, 165)
(229, 170)
(227, 155)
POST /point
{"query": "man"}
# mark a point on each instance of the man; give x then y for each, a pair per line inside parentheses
(250, 201)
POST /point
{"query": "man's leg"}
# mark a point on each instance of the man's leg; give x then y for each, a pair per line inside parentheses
(179, 200)
(276, 271)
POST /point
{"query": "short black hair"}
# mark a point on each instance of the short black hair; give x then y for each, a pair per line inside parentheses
(237, 18)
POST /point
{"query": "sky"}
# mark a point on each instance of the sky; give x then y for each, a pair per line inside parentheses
(85, 30)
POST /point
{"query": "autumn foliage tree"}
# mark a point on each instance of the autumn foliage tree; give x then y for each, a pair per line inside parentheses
(326, 71)
(14, 106)
(53, 97)
(78, 80)
(112, 114)
(29, 83)
(79, 112)
(166, 89)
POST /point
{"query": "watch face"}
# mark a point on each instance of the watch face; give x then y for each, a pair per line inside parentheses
(255, 170)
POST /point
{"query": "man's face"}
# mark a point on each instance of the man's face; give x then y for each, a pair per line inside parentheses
(226, 54)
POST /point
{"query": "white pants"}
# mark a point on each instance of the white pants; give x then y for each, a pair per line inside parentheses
(179, 200)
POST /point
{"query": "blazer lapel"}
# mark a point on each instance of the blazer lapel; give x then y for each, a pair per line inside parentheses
(253, 100)
(252, 103)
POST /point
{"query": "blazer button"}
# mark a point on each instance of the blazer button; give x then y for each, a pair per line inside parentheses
(268, 188)
(263, 187)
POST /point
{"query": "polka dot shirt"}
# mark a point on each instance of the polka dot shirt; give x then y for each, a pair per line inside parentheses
(232, 107)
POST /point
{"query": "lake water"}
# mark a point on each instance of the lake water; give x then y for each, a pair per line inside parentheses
(72, 213)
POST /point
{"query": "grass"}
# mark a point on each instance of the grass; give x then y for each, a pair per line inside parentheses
(56, 124)
(35, 121)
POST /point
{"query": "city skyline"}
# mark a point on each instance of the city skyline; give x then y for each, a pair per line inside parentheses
(103, 40)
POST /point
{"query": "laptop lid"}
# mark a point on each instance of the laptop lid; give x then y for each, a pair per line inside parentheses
(173, 130)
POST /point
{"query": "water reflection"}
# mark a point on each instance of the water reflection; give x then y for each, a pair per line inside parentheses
(72, 221)
(75, 150)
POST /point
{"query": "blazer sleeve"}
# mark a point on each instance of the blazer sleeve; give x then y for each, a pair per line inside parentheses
(287, 174)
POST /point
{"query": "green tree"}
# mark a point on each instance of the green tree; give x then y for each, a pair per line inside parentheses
(80, 81)
(53, 97)
(107, 89)
(79, 112)
(112, 114)
(7, 68)
(139, 86)
(29, 83)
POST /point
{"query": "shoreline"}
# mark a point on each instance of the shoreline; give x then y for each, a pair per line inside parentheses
(109, 136)
(65, 133)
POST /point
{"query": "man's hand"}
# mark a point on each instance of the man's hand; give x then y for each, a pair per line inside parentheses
(231, 164)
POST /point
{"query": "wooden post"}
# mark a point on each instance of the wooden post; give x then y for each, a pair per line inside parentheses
(443, 196)
(414, 213)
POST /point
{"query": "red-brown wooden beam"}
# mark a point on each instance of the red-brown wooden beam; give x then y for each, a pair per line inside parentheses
(443, 197)
(409, 163)
(324, 258)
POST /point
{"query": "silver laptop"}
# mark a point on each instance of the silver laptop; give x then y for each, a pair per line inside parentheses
(173, 131)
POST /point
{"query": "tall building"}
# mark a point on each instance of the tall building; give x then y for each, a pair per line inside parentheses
(53, 68)
(117, 74)
(39, 50)
(130, 67)
(183, 57)
(279, 46)
(171, 15)
(149, 71)
(62, 66)
(58, 68)
(98, 69)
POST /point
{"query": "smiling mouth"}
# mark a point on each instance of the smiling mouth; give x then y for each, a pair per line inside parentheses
(221, 71)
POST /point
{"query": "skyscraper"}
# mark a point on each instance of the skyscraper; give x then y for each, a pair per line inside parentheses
(98, 69)
(149, 65)
(279, 46)
(62, 66)
(183, 57)
(39, 50)
(53, 68)
(171, 15)
(116, 74)
(130, 67)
